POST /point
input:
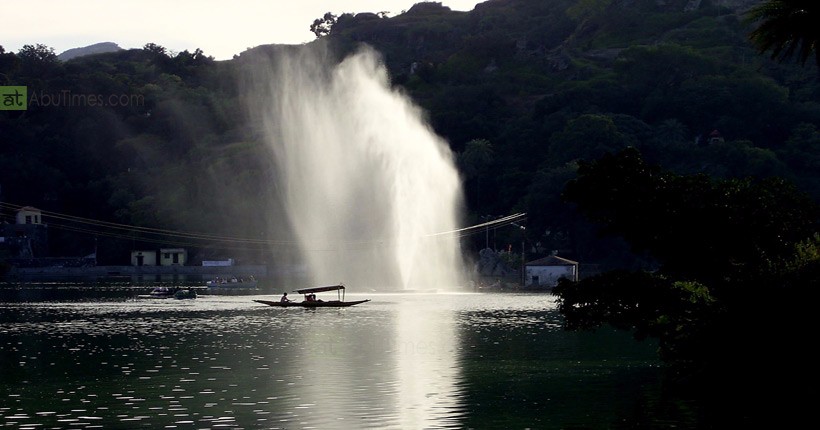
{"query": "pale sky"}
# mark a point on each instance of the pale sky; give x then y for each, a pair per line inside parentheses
(221, 28)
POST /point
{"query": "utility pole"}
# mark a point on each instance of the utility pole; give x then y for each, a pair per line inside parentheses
(523, 260)
(523, 264)
(486, 219)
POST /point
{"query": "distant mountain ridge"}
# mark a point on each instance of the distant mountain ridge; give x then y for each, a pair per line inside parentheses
(97, 48)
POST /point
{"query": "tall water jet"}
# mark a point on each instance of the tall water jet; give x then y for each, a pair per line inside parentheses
(366, 183)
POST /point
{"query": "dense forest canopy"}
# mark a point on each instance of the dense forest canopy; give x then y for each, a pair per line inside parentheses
(523, 90)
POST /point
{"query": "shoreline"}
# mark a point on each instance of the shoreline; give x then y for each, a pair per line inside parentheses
(116, 271)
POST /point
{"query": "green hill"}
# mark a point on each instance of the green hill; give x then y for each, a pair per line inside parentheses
(551, 82)
(539, 84)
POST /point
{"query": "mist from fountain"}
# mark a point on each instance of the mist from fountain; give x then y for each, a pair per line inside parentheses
(366, 182)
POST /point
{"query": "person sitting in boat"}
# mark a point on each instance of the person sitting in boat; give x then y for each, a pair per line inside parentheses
(285, 298)
(310, 298)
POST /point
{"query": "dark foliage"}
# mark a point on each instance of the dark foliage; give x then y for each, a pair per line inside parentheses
(737, 263)
(698, 228)
(787, 28)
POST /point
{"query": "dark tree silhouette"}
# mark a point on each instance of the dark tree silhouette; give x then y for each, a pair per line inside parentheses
(37, 53)
(155, 49)
(788, 28)
(322, 26)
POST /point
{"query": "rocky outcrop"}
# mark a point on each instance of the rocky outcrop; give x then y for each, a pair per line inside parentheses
(97, 48)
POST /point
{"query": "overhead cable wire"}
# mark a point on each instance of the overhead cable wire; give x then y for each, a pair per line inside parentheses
(119, 230)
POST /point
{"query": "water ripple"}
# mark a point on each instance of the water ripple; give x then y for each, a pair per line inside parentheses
(402, 361)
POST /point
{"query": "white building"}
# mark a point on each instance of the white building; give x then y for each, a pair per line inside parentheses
(546, 272)
(172, 256)
(29, 215)
(143, 258)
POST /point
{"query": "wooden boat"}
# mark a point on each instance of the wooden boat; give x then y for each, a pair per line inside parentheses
(232, 286)
(185, 294)
(310, 300)
(159, 293)
(167, 293)
(232, 283)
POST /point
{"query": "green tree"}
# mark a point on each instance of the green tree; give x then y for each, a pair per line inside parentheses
(660, 69)
(802, 149)
(676, 313)
(726, 251)
(752, 107)
(37, 53)
(549, 218)
(9, 63)
(740, 158)
(477, 157)
(586, 8)
(787, 28)
(475, 161)
(698, 228)
(155, 49)
(38, 61)
(585, 138)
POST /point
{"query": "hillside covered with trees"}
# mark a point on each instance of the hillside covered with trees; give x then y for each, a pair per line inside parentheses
(523, 90)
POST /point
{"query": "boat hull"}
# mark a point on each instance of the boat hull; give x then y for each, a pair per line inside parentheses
(226, 285)
(326, 304)
(178, 294)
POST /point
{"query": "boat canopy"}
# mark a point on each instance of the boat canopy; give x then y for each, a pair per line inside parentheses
(320, 289)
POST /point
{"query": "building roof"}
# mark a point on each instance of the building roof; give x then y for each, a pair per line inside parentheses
(552, 260)
(28, 209)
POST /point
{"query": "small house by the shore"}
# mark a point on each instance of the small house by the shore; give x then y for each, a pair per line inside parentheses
(29, 215)
(173, 256)
(545, 272)
(27, 238)
(143, 258)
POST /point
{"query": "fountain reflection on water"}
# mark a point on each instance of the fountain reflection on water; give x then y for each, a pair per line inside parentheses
(428, 364)
(365, 180)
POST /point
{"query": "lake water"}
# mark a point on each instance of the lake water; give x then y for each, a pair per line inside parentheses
(407, 361)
